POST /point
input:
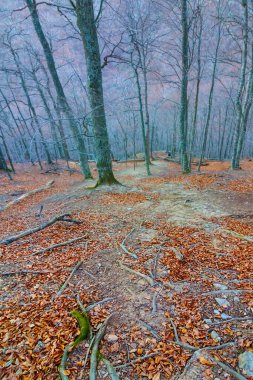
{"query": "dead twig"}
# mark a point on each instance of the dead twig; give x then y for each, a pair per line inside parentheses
(31, 231)
(59, 245)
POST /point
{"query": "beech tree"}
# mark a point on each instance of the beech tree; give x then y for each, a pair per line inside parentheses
(87, 26)
(63, 102)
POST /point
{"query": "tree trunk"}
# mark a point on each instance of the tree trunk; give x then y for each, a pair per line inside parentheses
(87, 27)
(185, 166)
(210, 99)
(65, 108)
(240, 101)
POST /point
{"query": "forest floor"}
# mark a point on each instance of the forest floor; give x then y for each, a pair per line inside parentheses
(190, 235)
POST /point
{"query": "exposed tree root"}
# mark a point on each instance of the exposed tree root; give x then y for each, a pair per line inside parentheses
(84, 331)
(149, 279)
(26, 195)
(63, 287)
(122, 245)
(151, 330)
(58, 245)
(95, 350)
(60, 218)
(239, 236)
(198, 351)
(111, 370)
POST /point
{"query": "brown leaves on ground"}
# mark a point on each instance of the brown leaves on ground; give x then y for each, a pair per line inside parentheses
(35, 329)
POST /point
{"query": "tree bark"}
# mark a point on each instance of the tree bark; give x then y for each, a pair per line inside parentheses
(185, 166)
(87, 26)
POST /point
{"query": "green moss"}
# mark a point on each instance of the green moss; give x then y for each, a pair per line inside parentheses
(84, 324)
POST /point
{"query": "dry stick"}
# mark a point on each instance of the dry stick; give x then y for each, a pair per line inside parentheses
(122, 245)
(35, 191)
(147, 278)
(36, 229)
(68, 280)
(94, 353)
(58, 245)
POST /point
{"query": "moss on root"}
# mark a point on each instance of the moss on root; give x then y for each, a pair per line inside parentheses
(84, 324)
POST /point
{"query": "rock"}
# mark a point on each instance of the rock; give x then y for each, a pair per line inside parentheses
(39, 346)
(236, 299)
(215, 336)
(220, 286)
(225, 316)
(222, 302)
(111, 338)
(246, 362)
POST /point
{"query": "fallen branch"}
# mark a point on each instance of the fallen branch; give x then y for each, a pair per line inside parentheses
(58, 245)
(239, 236)
(63, 287)
(31, 231)
(26, 195)
(84, 331)
(144, 276)
(23, 271)
(95, 351)
(122, 245)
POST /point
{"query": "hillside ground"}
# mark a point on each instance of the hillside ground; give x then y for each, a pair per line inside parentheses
(191, 236)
